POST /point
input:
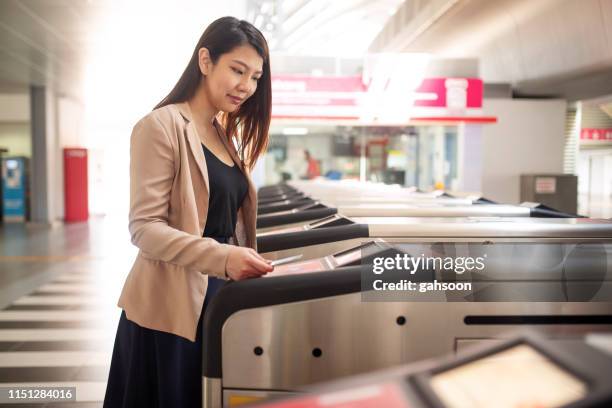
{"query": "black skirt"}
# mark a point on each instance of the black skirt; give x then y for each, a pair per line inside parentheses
(155, 369)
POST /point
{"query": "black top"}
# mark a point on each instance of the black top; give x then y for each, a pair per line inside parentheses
(228, 187)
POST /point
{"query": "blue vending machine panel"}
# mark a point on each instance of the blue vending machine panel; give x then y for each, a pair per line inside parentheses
(14, 189)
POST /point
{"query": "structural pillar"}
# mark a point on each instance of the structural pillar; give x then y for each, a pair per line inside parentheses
(42, 172)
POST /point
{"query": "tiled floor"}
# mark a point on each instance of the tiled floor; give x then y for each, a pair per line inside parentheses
(58, 317)
(58, 292)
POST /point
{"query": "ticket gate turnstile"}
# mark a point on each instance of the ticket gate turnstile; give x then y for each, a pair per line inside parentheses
(286, 205)
(268, 191)
(403, 195)
(303, 325)
(318, 239)
(304, 214)
(552, 372)
(280, 197)
(288, 218)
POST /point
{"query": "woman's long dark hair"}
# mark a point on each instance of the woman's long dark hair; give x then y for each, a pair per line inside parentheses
(251, 121)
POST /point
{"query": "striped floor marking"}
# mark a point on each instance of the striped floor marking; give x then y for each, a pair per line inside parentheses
(61, 334)
(59, 315)
(71, 324)
(25, 308)
(63, 300)
(105, 345)
(74, 279)
(45, 258)
(53, 358)
(69, 287)
(53, 334)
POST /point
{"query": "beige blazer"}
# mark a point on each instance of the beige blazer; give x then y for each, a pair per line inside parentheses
(169, 193)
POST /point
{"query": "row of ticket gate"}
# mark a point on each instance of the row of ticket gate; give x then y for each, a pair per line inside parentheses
(319, 318)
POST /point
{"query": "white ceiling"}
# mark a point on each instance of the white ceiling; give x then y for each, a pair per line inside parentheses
(541, 47)
(76, 45)
(43, 42)
(326, 28)
(64, 44)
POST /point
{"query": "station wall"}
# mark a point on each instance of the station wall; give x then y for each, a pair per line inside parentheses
(527, 138)
(15, 124)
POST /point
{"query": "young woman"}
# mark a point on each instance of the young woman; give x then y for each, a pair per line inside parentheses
(192, 214)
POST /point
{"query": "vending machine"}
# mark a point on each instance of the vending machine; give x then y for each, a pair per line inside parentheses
(2, 151)
(15, 189)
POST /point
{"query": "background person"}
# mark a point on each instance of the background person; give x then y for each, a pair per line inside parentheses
(313, 170)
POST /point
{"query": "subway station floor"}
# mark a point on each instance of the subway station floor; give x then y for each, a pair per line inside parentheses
(58, 314)
(58, 293)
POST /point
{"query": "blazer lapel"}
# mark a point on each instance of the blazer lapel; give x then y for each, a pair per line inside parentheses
(194, 142)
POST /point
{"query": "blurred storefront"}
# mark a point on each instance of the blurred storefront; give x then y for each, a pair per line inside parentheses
(391, 123)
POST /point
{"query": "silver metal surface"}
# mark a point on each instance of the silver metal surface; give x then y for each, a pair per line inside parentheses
(489, 227)
(432, 210)
(315, 251)
(392, 209)
(312, 224)
(463, 344)
(322, 250)
(347, 200)
(356, 337)
(277, 228)
(211, 392)
(477, 229)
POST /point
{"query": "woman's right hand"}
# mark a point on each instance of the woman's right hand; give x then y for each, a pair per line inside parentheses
(243, 263)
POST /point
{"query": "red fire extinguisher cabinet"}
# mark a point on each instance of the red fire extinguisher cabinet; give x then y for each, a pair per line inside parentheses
(76, 202)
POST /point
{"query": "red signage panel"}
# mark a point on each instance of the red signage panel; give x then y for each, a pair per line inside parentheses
(596, 134)
(348, 97)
